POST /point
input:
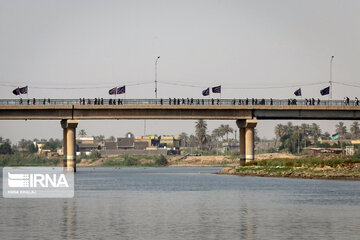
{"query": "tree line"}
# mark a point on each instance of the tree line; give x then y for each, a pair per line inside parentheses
(294, 138)
(204, 140)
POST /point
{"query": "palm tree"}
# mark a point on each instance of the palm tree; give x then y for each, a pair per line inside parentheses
(99, 138)
(226, 129)
(279, 132)
(215, 135)
(82, 133)
(192, 140)
(326, 135)
(315, 131)
(289, 128)
(184, 138)
(355, 130)
(341, 129)
(200, 131)
(220, 132)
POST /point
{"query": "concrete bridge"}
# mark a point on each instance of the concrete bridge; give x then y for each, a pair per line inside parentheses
(246, 112)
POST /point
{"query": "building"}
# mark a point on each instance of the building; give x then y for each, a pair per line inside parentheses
(169, 142)
(40, 145)
(125, 143)
(87, 144)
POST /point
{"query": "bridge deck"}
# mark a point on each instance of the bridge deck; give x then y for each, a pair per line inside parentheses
(152, 109)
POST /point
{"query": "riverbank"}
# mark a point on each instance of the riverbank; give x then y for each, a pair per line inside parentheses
(175, 161)
(265, 165)
(317, 167)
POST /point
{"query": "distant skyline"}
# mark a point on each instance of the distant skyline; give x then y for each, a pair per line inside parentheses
(251, 48)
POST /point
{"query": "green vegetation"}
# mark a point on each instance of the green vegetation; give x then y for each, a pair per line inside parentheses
(94, 155)
(200, 131)
(306, 162)
(295, 138)
(200, 152)
(136, 161)
(27, 159)
(325, 166)
(53, 144)
(5, 148)
(33, 148)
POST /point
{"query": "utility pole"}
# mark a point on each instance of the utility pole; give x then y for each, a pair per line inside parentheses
(331, 82)
(156, 61)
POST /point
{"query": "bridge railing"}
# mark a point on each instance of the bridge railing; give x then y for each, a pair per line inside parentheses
(178, 101)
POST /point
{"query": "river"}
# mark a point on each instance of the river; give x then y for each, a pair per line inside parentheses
(187, 203)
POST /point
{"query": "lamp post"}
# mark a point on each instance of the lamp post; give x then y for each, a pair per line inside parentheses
(156, 61)
(331, 87)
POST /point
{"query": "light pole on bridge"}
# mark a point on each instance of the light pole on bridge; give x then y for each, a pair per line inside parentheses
(156, 61)
(331, 87)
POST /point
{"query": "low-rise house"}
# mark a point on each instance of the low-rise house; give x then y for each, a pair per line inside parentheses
(125, 143)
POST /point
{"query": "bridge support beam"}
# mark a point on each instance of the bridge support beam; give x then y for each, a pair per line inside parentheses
(70, 143)
(64, 127)
(247, 138)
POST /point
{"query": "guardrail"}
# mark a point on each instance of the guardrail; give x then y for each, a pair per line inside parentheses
(179, 101)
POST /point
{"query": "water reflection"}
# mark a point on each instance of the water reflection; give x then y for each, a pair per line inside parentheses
(69, 219)
(186, 203)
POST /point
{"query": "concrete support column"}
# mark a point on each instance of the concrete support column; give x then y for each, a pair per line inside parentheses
(241, 125)
(249, 145)
(249, 140)
(242, 145)
(71, 145)
(64, 126)
(246, 129)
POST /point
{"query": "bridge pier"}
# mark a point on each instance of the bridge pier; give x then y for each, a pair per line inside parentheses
(247, 138)
(64, 127)
(69, 143)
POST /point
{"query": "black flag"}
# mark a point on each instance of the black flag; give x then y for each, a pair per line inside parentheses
(216, 89)
(121, 90)
(112, 91)
(298, 92)
(325, 91)
(206, 92)
(23, 90)
(16, 91)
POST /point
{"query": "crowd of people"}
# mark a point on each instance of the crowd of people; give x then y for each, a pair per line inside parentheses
(192, 101)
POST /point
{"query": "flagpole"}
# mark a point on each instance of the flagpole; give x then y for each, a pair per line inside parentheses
(331, 87)
(156, 61)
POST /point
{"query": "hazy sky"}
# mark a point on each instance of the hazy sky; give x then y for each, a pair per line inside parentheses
(91, 46)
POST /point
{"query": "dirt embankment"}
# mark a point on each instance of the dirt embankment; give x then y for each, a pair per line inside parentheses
(194, 161)
(190, 161)
(346, 173)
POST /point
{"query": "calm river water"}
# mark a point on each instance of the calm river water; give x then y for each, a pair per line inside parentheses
(187, 203)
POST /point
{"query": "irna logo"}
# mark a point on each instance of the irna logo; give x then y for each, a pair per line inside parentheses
(37, 182)
(33, 180)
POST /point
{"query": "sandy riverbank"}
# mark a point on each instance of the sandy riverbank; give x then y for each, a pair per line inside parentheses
(349, 171)
(192, 161)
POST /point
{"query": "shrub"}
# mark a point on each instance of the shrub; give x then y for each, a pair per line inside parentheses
(33, 148)
(95, 154)
(161, 160)
(271, 150)
(5, 148)
(130, 161)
